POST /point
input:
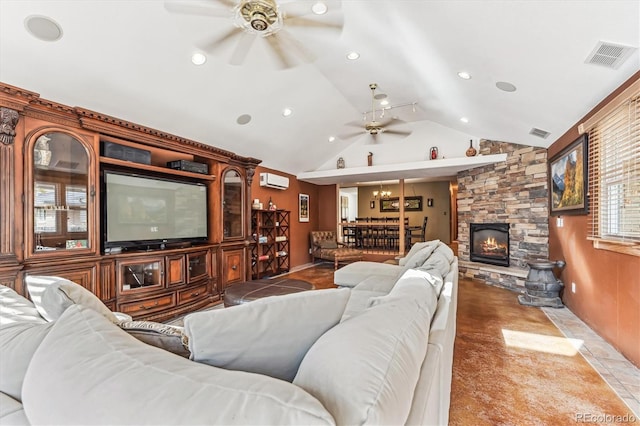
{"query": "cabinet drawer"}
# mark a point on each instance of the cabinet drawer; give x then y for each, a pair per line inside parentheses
(146, 306)
(191, 294)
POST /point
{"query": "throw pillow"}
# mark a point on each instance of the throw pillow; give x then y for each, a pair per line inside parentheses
(53, 295)
(420, 256)
(267, 336)
(328, 244)
(415, 248)
(163, 336)
(365, 370)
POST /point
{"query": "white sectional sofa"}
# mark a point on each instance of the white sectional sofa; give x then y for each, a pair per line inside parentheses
(379, 352)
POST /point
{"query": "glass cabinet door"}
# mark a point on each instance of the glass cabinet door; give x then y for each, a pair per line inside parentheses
(232, 205)
(60, 176)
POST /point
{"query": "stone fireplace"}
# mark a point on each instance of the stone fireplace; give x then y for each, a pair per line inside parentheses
(514, 194)
(489, 243)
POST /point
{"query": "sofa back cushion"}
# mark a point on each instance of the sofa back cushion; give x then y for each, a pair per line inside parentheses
(365, 370)
(267, 336)
(416, 248)
(88, 371)
(53, 295)
(21, 332)
(18, 343)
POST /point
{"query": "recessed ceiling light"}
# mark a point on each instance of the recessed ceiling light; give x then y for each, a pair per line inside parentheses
(464, 119)
(384, 102)
(319, 8)
(464, 75)
(243, 119)
(287, 112)
(352, 56)
(43, 28)
(332, 138)
(504, 86)
(198, 58)
(379, 96)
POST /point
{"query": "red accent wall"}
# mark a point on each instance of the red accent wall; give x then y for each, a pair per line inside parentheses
(607, 295)
(319, 205)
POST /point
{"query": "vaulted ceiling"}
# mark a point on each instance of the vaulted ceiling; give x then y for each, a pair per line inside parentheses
(132, 59)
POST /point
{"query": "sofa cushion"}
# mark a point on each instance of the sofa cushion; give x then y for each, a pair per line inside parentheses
(328, 244)
(21, 332)
(437, 264)
(352, 274)
(420, 256)
(53, 295)
(167, 337)
(88, 371)
(361, 294)
(11, 412)
(267, 336)
(17, 308)
(18, 343)
(415, 248)
(365, 370)
(403, 287)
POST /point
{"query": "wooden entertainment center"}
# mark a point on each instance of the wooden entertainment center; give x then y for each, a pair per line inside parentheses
(53, 160)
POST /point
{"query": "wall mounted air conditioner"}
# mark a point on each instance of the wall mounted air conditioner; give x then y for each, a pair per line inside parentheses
(274, 181)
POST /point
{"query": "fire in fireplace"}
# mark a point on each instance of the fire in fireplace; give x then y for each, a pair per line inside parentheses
(490, 243)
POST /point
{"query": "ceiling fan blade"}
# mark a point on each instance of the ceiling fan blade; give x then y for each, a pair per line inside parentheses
(185, 8)
(287, 49)
(242, 48)
(352, 135)
(277, 49)
(306, 22)
(397, 132)
(356, 124)
(392, 122)
(212, 44)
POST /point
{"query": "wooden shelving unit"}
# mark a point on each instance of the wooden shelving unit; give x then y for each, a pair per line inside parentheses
(270, 254)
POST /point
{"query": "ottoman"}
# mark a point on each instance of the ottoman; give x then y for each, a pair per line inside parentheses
(251, 290)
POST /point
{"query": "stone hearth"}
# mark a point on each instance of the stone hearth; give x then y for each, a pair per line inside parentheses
(513, 192)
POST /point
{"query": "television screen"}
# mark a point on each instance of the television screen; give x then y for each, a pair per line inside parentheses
(143, 210)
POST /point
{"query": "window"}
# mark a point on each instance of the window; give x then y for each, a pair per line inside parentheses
(614, 174)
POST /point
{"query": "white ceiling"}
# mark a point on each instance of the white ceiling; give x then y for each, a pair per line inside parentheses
(131, 59)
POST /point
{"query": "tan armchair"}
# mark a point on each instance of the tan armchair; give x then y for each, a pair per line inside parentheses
(325, 246)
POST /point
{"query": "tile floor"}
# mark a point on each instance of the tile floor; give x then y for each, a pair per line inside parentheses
(615, 369)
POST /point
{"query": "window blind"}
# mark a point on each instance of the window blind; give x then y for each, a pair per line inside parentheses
(614, 173)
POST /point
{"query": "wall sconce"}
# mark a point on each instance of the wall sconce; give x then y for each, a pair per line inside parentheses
(372, 204)
(429, 202)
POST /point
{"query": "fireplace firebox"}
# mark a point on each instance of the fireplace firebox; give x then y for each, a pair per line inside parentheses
(490, 243)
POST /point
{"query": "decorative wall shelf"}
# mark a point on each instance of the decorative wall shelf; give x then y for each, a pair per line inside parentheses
(429, 169)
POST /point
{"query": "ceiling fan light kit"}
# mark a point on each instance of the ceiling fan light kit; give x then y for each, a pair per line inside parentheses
(260, 17)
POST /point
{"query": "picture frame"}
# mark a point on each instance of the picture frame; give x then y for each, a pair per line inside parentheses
(411, 204)
(303, 208)
(567, 174)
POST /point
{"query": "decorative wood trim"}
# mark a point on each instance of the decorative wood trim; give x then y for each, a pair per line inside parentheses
(16, 98)
(121, 128)
(8, 122)
(7, 199)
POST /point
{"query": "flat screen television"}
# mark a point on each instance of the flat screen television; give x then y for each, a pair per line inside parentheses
(146, 212)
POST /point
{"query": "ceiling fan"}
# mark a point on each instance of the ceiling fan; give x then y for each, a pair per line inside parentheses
(264, 19)
(373, 127)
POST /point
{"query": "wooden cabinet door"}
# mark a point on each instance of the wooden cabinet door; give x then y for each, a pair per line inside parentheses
(233, 266)
(175, 270)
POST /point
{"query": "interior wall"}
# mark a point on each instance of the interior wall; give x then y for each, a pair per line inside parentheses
(438, 224)
(288, 200)
(607, 295)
